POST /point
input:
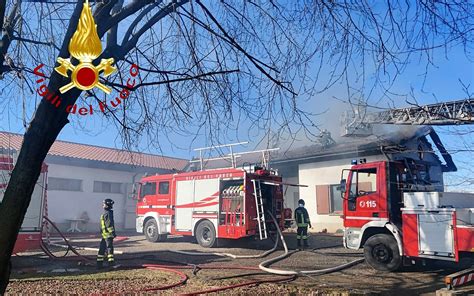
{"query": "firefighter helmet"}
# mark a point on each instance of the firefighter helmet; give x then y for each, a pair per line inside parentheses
(301, 202)
(108, 203)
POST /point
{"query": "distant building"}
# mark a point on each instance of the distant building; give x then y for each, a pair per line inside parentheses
(81, 176)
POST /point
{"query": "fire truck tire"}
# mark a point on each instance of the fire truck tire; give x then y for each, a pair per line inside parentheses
(206, 234)
(151, 232)
(381, 252)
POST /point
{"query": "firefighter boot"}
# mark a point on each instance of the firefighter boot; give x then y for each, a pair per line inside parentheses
(111, 260)
(298, 244)
(100, 261)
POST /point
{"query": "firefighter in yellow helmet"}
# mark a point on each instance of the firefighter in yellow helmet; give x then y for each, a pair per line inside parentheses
(107, 229)
(302, 221)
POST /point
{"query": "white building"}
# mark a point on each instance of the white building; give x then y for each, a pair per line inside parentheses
(81, 176)
(320, 168)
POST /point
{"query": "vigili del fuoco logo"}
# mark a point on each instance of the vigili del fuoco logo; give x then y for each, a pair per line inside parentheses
(85, 46)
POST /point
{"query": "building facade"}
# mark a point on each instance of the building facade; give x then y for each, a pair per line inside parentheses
(81, 176)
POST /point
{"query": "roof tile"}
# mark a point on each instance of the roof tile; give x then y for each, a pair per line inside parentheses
(89, 152)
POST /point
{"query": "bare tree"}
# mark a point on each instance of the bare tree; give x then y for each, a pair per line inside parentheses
(208, 67)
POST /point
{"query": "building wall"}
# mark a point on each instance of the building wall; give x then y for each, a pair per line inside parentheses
(289, 175)
(63, 205)
(324, 173)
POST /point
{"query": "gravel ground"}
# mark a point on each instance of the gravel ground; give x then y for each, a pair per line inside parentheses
(33, 273)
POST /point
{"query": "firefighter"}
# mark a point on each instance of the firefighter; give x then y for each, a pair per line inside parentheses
(107, 229)
(302, 221)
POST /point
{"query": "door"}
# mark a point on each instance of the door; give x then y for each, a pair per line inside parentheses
(184, 205)
(34, 214)
(436, 234)
(163, 196)
(365, 199)
(130, 206)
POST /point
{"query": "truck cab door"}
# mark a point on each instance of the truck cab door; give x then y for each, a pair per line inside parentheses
(163, 196)
(147, 194)
(365, 197)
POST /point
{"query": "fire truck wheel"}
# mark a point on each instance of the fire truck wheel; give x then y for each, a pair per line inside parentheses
(206, 234)
(151, 232)
(381, 252)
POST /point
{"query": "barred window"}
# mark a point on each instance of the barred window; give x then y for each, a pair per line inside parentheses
(107, 187)
(63, 184)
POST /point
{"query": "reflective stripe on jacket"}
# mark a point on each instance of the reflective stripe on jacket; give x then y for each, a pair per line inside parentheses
(107, 227)
(302, 217)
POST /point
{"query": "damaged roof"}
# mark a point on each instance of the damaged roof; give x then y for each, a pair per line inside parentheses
(387, 141)
(360, 145)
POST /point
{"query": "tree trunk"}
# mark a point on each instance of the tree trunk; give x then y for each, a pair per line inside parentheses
(39, 137)
(41, 134)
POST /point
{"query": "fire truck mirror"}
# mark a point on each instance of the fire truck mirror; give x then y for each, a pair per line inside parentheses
(133, 194)
(342, 186)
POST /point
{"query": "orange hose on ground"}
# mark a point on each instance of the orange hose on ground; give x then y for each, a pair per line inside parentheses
(256, 282)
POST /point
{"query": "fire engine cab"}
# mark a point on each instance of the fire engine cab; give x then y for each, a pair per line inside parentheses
(392, 210)
(229, 203)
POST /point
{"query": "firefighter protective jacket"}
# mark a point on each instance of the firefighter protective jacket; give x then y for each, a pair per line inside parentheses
(107, 225)
(302, 217)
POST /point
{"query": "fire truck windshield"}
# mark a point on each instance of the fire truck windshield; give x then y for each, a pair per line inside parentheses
(148, 188)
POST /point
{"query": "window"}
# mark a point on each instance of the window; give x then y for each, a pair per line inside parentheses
(363, 182)
(147, 189)
(64, 184)
(164, 188)
(335, 198)
(366, 181)
(328, 199)
(107, 187)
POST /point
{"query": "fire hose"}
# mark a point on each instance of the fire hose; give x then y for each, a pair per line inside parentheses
(174, 268)
(290, 274)
(254, 282)
(261, 255)
(70, 247)
(264, 265)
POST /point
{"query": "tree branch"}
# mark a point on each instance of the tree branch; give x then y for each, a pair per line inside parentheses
(238, 47)
(200, 76)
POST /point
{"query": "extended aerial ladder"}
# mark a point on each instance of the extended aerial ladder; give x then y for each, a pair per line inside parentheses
(359, 122)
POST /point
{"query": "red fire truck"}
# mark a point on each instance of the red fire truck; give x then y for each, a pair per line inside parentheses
(393, 211)
(30, 232)
(226, 203)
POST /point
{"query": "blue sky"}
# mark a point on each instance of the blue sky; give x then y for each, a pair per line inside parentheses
(442, 83)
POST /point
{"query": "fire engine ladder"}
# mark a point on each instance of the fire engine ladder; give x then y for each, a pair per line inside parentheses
(7, 160)
(359, 122)
(232, 157)
(262, 227)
